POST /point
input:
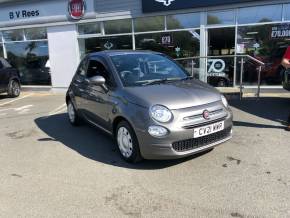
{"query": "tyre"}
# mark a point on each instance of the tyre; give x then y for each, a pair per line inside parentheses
(13, 89)
(72, 114)
(127, 143)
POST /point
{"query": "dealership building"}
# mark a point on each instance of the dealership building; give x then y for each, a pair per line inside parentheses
(46, 40)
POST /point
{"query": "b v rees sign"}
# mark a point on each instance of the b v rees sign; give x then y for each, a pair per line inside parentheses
(166, 5)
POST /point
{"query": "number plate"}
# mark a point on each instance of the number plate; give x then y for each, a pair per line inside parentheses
(207, 130)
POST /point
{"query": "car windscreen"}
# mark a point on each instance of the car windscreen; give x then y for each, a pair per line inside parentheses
(145, 69)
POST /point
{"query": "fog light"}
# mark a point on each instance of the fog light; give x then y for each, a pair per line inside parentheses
(157, 131)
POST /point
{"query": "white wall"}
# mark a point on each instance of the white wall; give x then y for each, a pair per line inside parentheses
(63, 54)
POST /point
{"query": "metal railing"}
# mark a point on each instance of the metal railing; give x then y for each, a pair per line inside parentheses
(243, 58)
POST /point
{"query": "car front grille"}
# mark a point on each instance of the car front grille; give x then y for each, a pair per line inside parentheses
(190, 144)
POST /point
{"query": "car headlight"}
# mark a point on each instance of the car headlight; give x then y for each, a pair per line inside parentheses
(225, 101)
(157, 131)
(160, 113)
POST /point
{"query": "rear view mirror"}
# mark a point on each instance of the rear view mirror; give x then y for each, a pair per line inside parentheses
(97, 80)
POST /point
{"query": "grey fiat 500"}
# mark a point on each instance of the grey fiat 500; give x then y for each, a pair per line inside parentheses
(149, 103)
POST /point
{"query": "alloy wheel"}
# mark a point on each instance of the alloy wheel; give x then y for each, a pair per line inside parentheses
(15, 88)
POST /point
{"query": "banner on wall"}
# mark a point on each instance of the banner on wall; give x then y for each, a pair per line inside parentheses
(281, 31)
(149, 6)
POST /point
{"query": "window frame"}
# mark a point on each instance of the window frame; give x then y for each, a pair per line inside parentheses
(83, 62)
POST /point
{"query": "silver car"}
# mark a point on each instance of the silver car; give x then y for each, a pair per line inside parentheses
(149, 104)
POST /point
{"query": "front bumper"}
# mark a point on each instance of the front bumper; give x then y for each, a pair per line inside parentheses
(166, 148)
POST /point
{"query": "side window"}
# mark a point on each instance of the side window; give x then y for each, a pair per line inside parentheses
(96, 68)
(82, 67)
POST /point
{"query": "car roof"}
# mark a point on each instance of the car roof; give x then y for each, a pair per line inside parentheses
(121, 52)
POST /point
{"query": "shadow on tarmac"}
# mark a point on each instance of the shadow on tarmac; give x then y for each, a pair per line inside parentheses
(273, 109)
(94, 144)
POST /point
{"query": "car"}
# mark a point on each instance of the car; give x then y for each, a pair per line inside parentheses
(152, 111)
(9, 79)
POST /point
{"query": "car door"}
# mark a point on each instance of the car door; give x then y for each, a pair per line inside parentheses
(78, 85)
(98, 101)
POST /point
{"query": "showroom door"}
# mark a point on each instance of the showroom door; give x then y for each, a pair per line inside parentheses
(221, 43)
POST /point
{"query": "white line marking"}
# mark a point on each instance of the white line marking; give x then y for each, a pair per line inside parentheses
(17, 99)
(25, 111)
(23, 108)
(17, 109)
(57, 110)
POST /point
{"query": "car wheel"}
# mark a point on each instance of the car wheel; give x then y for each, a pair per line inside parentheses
(128, 143)
(72, 114)
(13, 89)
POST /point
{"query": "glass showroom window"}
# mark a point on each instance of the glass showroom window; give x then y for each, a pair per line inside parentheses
(35, 34)
(13, 35)
(221, 17)
(27, 50)
(260, 14)
(183, 21)
(118, 26)
(30, 59)
(146, 24)
(89, 28)
(268, 44)
(105, 43)
(287, 12)
(175, 44)
(221, 43)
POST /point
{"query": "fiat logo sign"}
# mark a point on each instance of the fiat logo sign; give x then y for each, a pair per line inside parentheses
(205, 115)
(76, 9)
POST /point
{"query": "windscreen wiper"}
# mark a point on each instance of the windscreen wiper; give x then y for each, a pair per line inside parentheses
(160, 81)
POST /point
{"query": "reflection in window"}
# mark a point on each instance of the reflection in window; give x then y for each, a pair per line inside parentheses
(13, 35)
(261, 43)
(35, 33)
(183, 21)
(260, 14)
(30, 59)
(118, 26)
(145, 24)
(175, 44)
(287, 12)
(1, 51)
(220, 70)
(1, 37)
(105, 43)
(221, 17)
(89, 28)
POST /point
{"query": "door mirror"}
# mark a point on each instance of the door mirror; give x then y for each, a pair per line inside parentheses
(97, 80)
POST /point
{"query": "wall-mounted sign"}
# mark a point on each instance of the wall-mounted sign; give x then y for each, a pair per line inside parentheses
(216, 65)
(76, 9)
(241, 49)
(166, 5)
(280, 31)
(23, 14)
(166, 40)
